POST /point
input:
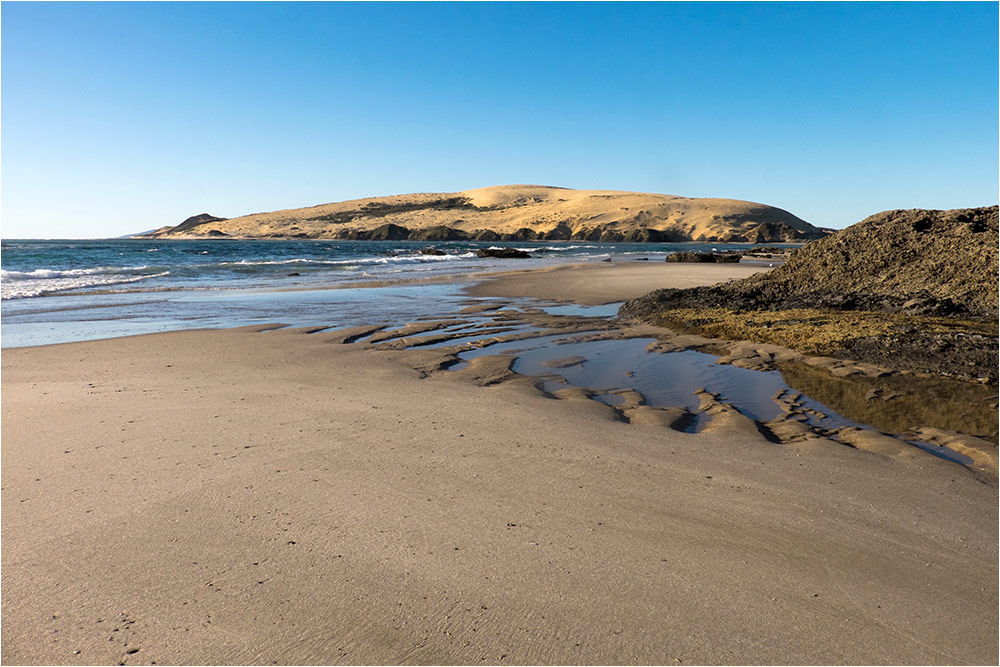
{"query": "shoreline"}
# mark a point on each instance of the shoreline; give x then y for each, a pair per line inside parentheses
(257, 494)
(655, 272)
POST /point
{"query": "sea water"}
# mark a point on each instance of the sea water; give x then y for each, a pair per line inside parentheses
(59, 291)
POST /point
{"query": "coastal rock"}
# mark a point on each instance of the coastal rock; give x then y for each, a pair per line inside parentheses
(502, 253)
(430, 250)
(560, 232)
(521, 234)
(648, 235)
(691, 257)
(439, 233)
(930, 262)
(387, 232)
(703, 257)
(910, 263)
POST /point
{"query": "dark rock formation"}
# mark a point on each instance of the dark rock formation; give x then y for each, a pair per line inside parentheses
(917, 261)
(703, 257)
(502, 253)
(560, 232)
(690, 256)
(439, 233)
(387, 232)
(522, 234)
(430, 250)
(649, 236)
(914, 263)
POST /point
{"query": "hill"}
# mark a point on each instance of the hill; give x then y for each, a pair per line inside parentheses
(515, 213)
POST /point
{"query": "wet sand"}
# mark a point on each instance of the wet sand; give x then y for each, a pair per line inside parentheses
(249, 496)
(606, 282)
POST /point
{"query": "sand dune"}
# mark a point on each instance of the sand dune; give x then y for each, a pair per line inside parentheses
(521, 212)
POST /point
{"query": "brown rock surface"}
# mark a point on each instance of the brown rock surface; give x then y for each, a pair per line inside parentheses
(916, 273)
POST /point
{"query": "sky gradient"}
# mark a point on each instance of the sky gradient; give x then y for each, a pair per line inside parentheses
(121, 117)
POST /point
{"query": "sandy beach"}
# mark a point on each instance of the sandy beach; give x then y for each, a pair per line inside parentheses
(594, 284)
(261, 495)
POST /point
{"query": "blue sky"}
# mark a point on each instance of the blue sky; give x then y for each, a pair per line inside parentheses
(121, 117)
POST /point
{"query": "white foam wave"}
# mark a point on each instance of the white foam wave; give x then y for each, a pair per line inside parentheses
(45, 274)
(411, 259)
(547, 248)
(22, 289)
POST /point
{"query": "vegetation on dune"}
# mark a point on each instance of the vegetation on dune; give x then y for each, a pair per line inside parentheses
(381, 209)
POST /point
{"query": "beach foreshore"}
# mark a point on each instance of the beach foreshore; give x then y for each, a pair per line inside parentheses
(587, 283)
(259, 495)
(599, 283)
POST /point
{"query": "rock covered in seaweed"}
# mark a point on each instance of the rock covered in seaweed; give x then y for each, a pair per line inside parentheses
(502, 253)
(916, 261)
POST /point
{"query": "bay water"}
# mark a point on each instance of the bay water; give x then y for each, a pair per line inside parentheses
(67, 290)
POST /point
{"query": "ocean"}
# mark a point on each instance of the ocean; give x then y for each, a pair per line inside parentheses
(59, 291)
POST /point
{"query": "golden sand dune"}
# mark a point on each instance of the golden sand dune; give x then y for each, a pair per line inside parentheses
(516, 212)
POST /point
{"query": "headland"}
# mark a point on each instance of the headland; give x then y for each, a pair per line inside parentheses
(514, 213)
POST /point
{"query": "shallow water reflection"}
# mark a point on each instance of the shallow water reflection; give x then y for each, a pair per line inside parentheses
(668, 379)
(898, 403)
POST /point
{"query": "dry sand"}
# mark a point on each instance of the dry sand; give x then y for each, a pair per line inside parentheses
(251, 497)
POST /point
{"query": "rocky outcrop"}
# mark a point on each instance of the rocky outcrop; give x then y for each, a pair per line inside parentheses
(704, 257)
(438, 233)
(917, 261)
(502, 253)
(906, 289)
(388, 232)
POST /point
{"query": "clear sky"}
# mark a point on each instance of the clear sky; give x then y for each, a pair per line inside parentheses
(121, 117)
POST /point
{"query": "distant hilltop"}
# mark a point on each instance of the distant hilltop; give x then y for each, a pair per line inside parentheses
(514, 213)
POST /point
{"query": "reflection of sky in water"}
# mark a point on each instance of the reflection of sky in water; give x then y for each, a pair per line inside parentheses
(664, 379)
(943, 452)
(668, 379)
(604, 310)
(86, 317)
